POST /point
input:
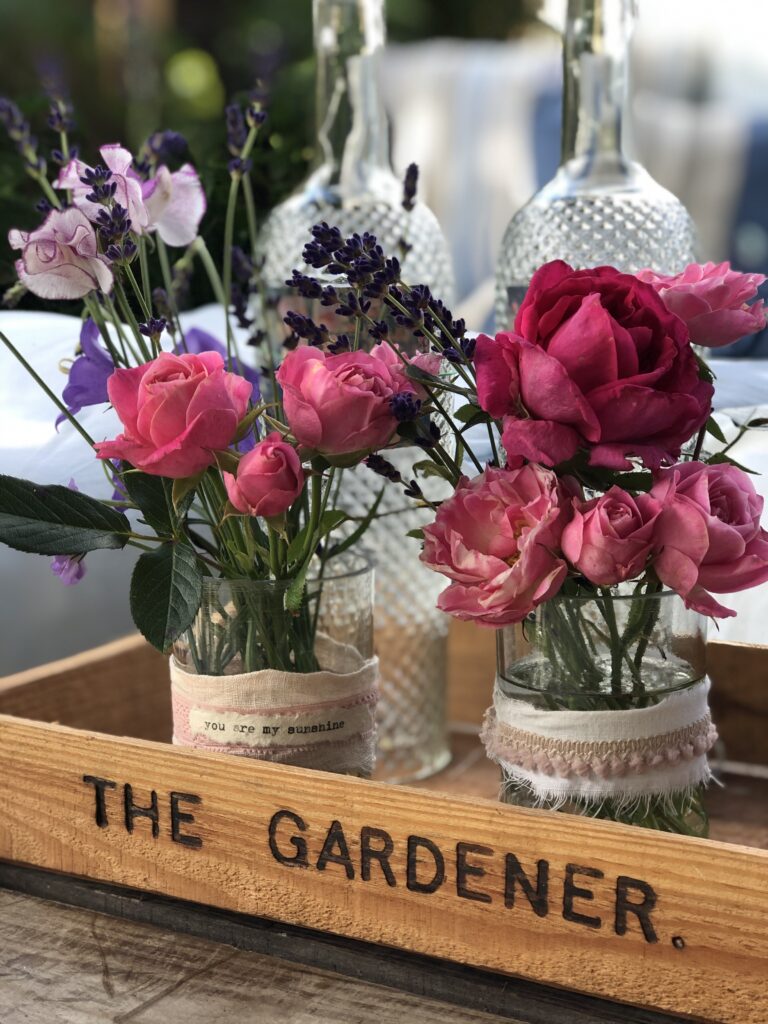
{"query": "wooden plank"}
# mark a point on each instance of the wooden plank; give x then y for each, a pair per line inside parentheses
(739, 674)
(64, 964)
(120, 688)
(697, 946)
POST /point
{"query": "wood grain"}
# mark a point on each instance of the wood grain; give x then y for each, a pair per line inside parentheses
(712, 896)
(59, 964)
(739, 699)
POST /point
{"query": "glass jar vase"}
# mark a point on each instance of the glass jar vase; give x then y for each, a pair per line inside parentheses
(600, 708)
(262, 675)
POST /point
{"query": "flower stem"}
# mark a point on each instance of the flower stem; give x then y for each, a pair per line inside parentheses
(41, 383)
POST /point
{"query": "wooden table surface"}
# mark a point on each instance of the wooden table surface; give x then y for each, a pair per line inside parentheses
(67, 965)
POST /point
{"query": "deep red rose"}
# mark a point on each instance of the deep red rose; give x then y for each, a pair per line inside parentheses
(597, 361)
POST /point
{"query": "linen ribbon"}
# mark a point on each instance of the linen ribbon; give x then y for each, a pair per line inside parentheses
(561, 755)
(323, 720)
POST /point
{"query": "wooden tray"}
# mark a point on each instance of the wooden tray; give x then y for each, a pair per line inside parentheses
(89, 788)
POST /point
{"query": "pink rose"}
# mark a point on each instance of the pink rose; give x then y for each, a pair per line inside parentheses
(171, 203)
(177, 411)
(340, 404)
(713, 301)
(596, 362)
(497, 539)
(269, 478)
(60, 260)
(709, 534)
(610, 538)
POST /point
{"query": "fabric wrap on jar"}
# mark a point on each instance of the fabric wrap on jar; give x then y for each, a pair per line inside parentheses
(593, 756)
(323, 720)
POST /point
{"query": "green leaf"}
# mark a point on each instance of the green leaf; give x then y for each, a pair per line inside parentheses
(227, 461)
(329, 520)
(54, 520)
(416, 534)
(166, 590)
(150, 494)
(721, 457)
(358, 532)
(429, 379)
(183, 489)
(635, 481)
(467, 413)
(429, 468)
(713, 428)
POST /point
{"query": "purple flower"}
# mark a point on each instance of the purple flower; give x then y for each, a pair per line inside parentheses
(69, 568)
(88, 375)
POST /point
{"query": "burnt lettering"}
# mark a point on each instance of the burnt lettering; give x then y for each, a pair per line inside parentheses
(641, 910)
(299, 858)
(368, 853)
(465, 870)
(415, 843)
(537, 896)
(133, 811)
(178, 817)
(100, 787)
(572, 891)
(335, 850)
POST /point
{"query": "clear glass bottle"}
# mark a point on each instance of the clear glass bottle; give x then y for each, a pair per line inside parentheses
(600, 207)
(354, 188)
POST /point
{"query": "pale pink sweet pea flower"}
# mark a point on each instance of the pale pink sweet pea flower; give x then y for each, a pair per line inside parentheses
(171, 203)
(177, 411)
(712, 300)
(60, 260)
(708, 534)
(128, 192)
(611, 538)
(175, 204)
(497, 538)
(269, 478)
(341, 404)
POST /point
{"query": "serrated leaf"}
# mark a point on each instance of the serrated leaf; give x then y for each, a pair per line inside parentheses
(54, 520)
(295, 592)
(713, 428)
(150, 494)
(166, 590)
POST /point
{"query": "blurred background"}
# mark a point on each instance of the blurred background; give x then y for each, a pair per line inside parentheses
(473, 91)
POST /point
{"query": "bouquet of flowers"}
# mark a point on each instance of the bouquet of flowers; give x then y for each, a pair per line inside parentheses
(219, 472)
(598, 531)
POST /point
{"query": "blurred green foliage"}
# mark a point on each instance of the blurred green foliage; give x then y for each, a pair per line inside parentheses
(133, 66)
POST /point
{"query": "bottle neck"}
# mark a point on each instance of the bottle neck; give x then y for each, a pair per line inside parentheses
(351, 124)
(595, 47)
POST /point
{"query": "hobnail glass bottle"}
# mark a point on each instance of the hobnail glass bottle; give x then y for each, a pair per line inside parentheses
(354, 188)
(600, 207)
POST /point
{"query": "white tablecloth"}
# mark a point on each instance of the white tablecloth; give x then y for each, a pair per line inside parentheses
(42, 619)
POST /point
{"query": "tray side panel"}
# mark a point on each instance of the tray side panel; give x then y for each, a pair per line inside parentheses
(659, 921)
(120, 688)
